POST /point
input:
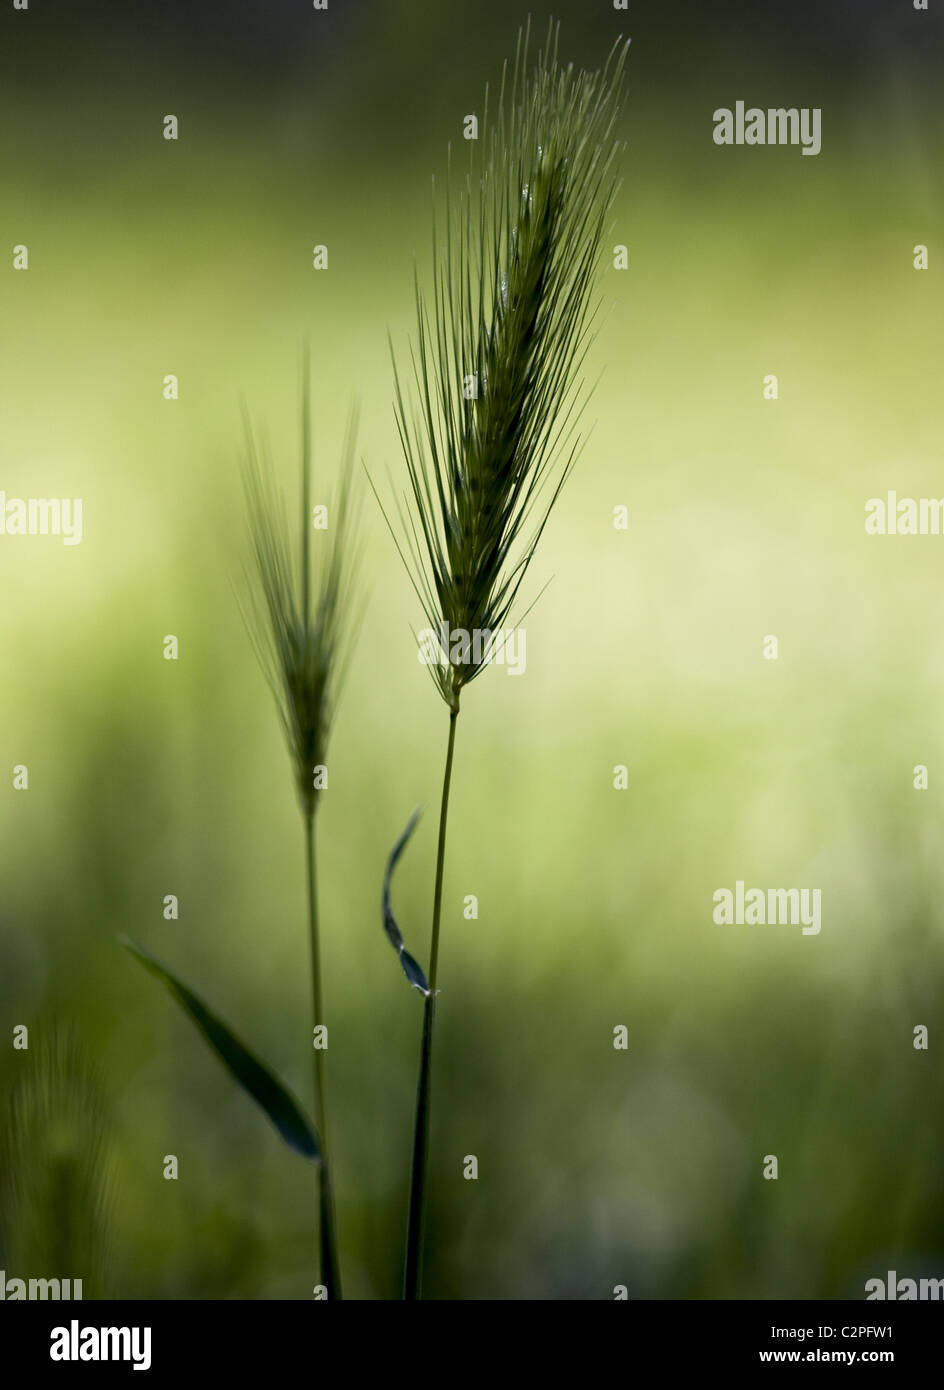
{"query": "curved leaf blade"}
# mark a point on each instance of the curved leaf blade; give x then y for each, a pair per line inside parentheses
(254, 1077)
(411, 969)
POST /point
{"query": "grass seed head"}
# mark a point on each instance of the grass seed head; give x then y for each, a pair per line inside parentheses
(500, 347)
(300, 609)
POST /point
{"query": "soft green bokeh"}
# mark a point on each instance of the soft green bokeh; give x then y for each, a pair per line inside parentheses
(597, 1167)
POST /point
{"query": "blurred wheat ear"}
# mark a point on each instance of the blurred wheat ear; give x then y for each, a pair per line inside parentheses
(55, 1169)
(301, 615)
(301, 630)
(492, 434)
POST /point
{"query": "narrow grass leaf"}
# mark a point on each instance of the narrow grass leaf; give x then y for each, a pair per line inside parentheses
(411, 968)
(251, 1074)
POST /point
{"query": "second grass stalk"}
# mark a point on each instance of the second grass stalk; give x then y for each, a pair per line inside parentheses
(301, 633)
(330, 1268)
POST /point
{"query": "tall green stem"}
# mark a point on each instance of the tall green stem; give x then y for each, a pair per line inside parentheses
(412, 1274)
(330, 1268)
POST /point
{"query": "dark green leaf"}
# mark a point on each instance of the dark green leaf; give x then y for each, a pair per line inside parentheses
(251, 1074)
(411, 969)
(413, 972)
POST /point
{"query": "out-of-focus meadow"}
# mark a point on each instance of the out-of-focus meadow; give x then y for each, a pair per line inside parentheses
(148, 777)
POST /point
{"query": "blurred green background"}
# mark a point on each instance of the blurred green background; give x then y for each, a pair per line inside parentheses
(597, 1167)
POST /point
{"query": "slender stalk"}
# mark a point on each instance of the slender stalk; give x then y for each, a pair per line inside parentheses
(306, 488)
(330, 1268)
(412, 1274)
